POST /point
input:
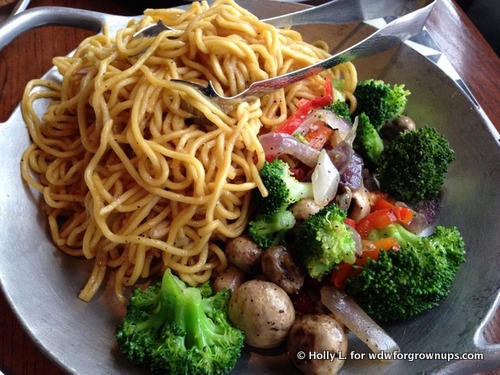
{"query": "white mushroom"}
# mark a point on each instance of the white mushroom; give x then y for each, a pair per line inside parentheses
(317, 345)
(231, 278)
(244, 254)
(405, 123)
(304, 208)
(263, 311)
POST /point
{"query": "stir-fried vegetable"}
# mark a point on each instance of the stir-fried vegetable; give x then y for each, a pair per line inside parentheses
(323, 241)
(382, 214)
(348, 312)
(380, 101)
(413, 166)
(405, 282)
(174, 328)
(325, 180)
(305, 107)
(272, 218)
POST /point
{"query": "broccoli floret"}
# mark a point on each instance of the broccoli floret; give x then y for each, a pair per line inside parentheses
(271, 218)
(270, 230)
(324, 240)
(406, 282)
(368, 142)
(341, 109)
(380, 101)
(173, 328)
(284, 189)
(413, 166)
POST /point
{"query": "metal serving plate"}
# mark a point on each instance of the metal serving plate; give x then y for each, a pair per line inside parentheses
(42, 284)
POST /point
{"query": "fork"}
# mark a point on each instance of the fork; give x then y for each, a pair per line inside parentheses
(385, 38)
(332, 12)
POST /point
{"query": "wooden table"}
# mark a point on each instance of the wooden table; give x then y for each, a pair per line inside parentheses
(473, 59)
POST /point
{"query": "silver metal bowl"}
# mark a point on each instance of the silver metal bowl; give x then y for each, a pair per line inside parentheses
(42, 284)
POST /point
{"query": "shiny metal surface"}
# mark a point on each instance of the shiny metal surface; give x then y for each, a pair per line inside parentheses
(42, 284)
(347, 11)
(20, 6)
(32, 18)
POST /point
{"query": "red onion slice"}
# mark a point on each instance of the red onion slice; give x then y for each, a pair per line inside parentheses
(275, 144)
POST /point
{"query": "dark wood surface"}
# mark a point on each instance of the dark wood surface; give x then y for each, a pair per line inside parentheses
(30, 56)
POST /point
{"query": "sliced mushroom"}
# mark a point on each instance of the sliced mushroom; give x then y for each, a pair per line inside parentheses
(360, 204)
(279, 267)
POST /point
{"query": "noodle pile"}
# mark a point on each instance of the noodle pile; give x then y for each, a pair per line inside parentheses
(129, 177)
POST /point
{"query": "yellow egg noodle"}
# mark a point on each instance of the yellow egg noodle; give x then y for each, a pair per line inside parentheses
(128, 177)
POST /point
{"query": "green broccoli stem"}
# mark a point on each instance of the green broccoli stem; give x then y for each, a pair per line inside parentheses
(193, 320)
(201, 331)
(398, 232)
(299, 190)
(168, 304)
(184, 306)
(368, 142)
(270, 230)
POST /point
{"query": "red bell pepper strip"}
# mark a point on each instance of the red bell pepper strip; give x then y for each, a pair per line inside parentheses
(403, 214)
(318, 136)
(375, 220)
(382, 214)
(371, 250)
(350, 222)
(344, 272)
(305, 107)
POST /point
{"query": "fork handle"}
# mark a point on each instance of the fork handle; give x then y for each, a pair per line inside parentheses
(384, 39)
(347, 11)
